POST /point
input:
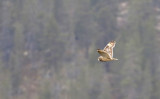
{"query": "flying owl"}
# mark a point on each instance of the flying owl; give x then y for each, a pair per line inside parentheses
(107, 52)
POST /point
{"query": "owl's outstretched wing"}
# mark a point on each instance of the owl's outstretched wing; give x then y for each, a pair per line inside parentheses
(104, 53)
(111, 44)
(109, 48)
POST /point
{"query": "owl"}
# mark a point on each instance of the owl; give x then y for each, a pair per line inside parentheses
(107, 53)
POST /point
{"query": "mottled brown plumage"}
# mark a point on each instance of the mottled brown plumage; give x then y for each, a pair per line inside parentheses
(107, 52)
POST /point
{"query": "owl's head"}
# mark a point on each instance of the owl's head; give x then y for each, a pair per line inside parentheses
(100, 58)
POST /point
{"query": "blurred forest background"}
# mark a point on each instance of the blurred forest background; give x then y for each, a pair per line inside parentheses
(48, 49)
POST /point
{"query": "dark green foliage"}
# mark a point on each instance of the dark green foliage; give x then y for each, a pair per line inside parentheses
(48, 49)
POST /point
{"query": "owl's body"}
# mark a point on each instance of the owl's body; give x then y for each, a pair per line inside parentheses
(107, 52)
